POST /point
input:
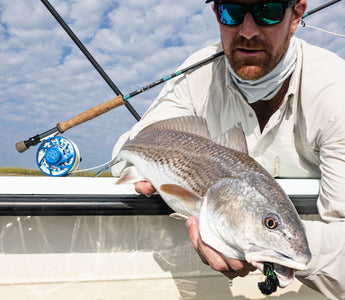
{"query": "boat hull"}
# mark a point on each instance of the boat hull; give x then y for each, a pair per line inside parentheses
(54, 248)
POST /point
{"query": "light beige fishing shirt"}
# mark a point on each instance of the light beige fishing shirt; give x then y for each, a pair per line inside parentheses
(305, 138)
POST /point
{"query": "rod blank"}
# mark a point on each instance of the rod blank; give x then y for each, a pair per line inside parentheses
(120, 99)
(104, 107)
(88, 55)
(312, 11)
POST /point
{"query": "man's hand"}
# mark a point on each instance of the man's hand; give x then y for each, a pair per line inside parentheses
(144, 187)
(228, 266)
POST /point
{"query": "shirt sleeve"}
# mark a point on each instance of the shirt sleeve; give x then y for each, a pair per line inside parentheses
(178, 98)
(327, 239)
(326, 272)
(173, 101)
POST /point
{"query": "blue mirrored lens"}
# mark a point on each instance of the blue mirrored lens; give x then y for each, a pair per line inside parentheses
(231, 14)
(264, 14)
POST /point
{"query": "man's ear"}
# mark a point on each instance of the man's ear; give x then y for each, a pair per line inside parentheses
(298, 13)
(213, 8)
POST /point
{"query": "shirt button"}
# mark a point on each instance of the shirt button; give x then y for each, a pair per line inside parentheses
(250, 115)
(256, 153)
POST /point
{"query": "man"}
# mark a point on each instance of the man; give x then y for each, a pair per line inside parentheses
(290, 99)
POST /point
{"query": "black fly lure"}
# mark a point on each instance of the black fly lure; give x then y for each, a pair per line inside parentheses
(271, 282)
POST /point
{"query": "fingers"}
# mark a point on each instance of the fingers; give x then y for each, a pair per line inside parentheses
(228, 266)
(207, 254)
(145, 188)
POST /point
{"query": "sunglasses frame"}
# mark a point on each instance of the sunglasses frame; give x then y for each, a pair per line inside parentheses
(250, 9)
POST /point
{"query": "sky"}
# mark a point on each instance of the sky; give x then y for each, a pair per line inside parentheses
(45, 79)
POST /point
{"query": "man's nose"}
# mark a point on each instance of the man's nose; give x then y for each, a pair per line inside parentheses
(248, 29)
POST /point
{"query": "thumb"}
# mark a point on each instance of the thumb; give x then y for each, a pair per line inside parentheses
(193, 230)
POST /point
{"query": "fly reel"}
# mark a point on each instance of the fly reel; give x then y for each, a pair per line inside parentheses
(57, 156)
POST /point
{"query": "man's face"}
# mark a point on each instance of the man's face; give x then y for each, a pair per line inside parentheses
(254, 50)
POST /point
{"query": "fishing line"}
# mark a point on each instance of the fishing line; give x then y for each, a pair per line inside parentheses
(111, 163)
(312, 11)
(303, 24)
(106, 106)
(90, 169)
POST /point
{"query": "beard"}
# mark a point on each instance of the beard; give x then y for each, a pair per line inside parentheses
(256, 66)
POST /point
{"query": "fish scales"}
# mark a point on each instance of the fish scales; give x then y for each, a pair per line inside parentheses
(243, 212)
(198, 161)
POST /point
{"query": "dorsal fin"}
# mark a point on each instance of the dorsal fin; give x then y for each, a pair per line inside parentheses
(234, 138)
(191, 124)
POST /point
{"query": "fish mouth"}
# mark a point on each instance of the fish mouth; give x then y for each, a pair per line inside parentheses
(284, 274)
(284, 266)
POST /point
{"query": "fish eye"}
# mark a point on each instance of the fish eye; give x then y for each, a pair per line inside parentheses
(271, 222)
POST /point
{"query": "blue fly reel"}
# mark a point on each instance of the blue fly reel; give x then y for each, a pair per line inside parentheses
(57, 156)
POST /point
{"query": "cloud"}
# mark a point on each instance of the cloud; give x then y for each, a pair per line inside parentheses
(44, 79)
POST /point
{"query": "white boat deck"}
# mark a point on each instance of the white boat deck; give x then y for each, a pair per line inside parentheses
(104, 185)
(122, 255)
(101, 196)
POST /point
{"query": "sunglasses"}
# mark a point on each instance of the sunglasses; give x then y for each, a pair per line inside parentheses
(264, 14)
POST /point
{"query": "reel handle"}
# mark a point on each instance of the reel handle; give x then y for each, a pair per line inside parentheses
(90, 114)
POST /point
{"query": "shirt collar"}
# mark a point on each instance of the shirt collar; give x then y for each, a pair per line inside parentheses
(295, 79)
(293, 85)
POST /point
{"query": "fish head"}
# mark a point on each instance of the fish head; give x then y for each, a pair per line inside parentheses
(250, 218)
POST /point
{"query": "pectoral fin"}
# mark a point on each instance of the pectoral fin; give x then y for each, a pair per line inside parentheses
(129, 175)
(189, 199)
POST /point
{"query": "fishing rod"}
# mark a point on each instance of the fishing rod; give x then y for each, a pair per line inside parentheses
(50, 154)
(88, 55)
(312, 11)
(120, 99)
(105, 107)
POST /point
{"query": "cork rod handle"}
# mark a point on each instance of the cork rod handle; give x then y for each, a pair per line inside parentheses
(90, 114)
